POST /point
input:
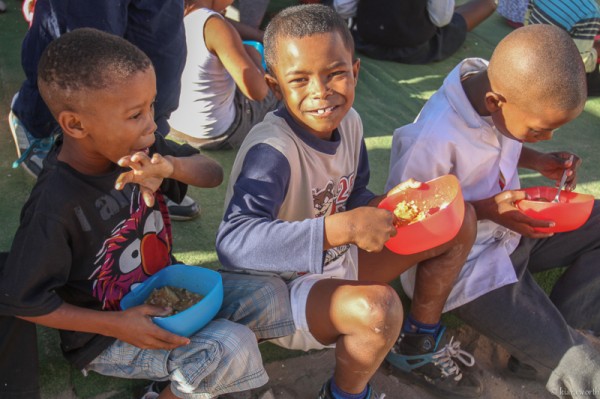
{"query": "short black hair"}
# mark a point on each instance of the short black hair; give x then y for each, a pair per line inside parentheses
(301, 21)
(539, 66)
(87, 58)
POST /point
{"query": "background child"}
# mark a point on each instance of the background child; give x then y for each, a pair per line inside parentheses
(223, 91)
(513, 11)
(474, 127)
(581, 18)
(298, 206)
(416, 31)
(99, 215)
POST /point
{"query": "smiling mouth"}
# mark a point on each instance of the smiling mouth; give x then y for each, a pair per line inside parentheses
(323, 111)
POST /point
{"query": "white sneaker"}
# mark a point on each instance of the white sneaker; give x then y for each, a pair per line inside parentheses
(30, 150)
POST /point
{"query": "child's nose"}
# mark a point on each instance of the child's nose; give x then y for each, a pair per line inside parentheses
(320, 88)
(152, 126)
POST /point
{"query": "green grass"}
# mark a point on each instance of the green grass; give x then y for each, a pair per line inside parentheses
(388, 96)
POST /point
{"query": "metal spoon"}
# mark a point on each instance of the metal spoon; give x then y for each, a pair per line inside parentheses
(563, 180)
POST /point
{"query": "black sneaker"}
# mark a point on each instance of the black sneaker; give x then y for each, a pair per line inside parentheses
(325, 392)
(418, 358)
(188, 209)
(520, 369)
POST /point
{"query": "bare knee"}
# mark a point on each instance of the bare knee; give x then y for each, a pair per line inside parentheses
(377, 313)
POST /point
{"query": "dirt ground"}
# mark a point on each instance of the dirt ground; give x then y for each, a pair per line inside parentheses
(301, 377)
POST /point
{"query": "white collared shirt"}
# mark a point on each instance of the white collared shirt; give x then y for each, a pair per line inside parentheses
(450, 137)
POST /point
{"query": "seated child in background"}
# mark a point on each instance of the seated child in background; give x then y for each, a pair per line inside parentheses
(474, 127)
(98, 215)
(416, 31)
(223, 90)
(297, 205)
(513, 11)
(581, 19)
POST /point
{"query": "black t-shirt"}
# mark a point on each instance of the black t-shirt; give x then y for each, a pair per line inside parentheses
(83, 242)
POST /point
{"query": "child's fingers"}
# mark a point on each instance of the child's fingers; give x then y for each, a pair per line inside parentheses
(141, 157)
(148, 196)
(123, 179)
(168, 340)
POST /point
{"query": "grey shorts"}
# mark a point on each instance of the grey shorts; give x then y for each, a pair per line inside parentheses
(247, 114)
(223, 356)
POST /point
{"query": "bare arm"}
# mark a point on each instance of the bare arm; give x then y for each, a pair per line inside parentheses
(529, 158)
(247, 32)
(223, 40)
(133, 326)
(196, 170)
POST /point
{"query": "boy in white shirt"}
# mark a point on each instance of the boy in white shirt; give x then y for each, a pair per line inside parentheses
(474, 127)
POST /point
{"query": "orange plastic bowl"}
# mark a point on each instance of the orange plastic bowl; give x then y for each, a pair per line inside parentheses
(442, 200)
(570, 213)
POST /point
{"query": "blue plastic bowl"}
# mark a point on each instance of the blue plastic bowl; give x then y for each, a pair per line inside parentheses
(194, 278)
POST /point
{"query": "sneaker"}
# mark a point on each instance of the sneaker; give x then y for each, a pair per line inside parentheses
(325, 392)
(521, 370)
(30, 150)
(153, 390)
(419, 359)
(188, 209)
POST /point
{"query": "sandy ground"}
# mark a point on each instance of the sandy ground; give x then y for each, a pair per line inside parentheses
(301, 377)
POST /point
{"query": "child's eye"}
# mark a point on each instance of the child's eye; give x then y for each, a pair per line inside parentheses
(298, 80)
(136, 116)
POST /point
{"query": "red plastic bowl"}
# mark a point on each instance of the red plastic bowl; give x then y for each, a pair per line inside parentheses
(442, 199)
(570, 213)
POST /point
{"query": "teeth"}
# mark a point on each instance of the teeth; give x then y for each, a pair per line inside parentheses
(323, 110)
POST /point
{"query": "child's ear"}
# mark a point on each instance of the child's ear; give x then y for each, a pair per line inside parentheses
(274, 86)
(494, 101)
(70, 123)
(355, 69)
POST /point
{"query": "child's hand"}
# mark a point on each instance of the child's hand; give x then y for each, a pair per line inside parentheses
(410, 183)
(501, 209)
(553, 164)
(137, 328)
(147, 172)
(370, 227)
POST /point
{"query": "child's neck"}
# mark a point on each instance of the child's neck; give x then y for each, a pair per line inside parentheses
(77, 158)
(476, 86)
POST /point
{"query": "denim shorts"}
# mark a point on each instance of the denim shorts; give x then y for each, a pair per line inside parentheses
(223, 356)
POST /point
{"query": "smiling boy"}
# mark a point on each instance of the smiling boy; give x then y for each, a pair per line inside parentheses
(298, 206)
(475, 127)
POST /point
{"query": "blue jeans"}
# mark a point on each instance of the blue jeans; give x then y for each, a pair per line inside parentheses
(223, 356)
(541, 330)
(156, 27)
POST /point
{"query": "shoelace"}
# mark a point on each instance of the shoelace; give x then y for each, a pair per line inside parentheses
(43, 145)
(444, 359)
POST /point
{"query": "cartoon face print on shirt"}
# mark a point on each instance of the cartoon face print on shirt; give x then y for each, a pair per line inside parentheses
(332, 198)
(137, 248)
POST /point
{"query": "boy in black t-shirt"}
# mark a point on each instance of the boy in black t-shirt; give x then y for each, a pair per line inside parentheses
(99, 218)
